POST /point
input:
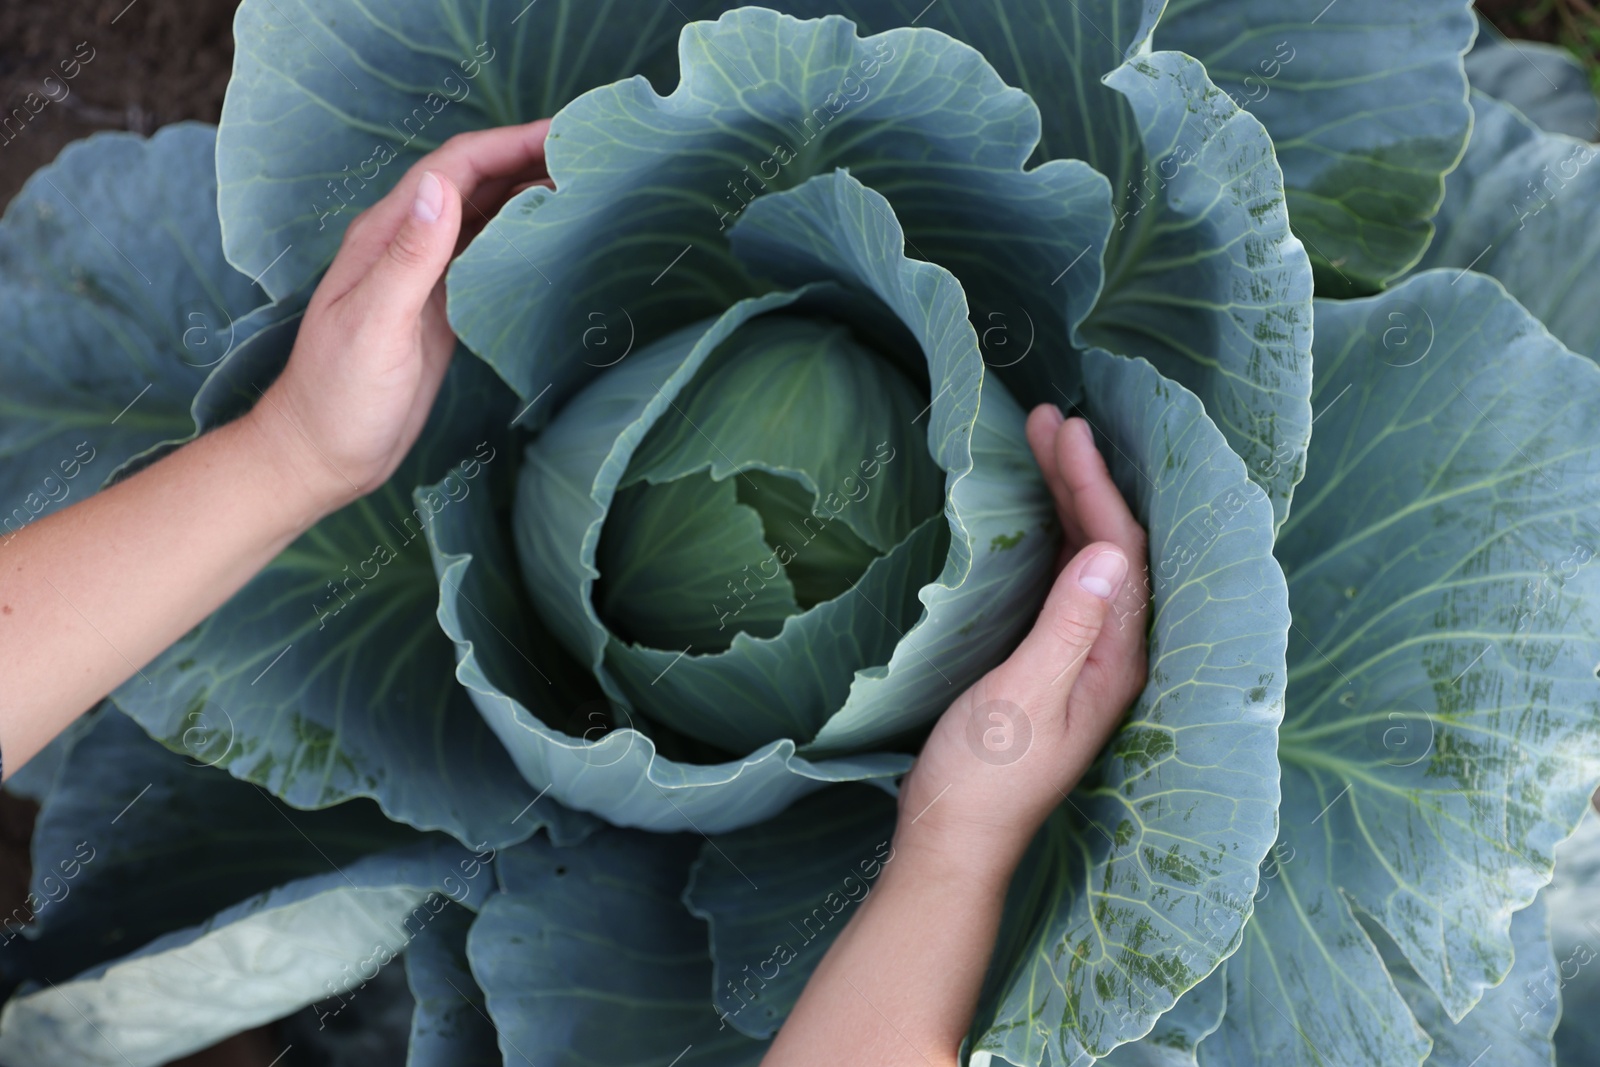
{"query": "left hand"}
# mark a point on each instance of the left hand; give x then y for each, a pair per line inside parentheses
(1011, 748)
(375, 343)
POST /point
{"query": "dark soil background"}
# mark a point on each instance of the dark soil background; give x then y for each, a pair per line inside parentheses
(153, 62)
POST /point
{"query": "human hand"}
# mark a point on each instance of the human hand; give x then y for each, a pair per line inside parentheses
(375, 343)
(1011, 748)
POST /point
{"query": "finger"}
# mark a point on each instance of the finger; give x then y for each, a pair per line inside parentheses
(1115, 670)
(472, 162)
(406, 273)
(1098, 506)
(1044, 667)
(1044, 423)
(1087, 489)
(500, 152)
(1041, 430)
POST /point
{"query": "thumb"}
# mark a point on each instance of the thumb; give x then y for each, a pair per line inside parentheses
(1047, 663)
(402, 279)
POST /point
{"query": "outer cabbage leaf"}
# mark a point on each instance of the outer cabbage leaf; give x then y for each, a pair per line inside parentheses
(1137, 886)
(1175, 1040)
(1522, 208)
(1306, 970)
(811, 865)
(260, 959)
(1442, 728)
(117, 301)
(1512, 1021)
(1574, 980)
(326, 678)
(1365, 101)
(310, 904)
(588, 957)
(135, 842)
(332, 100)
(1204, 278)
(1056, 54)
(450, 1026)
(1543, 81)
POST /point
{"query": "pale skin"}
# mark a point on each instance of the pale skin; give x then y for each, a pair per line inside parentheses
(91, 593)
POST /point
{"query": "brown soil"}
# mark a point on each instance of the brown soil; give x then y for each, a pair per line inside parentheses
(71, 67)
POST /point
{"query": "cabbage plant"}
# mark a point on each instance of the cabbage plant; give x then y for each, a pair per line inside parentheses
(593, 714)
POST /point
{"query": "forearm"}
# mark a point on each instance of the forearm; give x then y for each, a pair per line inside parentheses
(900, 985)
(91, 593)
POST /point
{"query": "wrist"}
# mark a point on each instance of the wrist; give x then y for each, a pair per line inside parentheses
(304, 483)
(970, 823)
(965, 859)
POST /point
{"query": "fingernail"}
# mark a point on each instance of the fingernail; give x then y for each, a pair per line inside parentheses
(1056, 418)
(430, 198)
(1102, 575)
